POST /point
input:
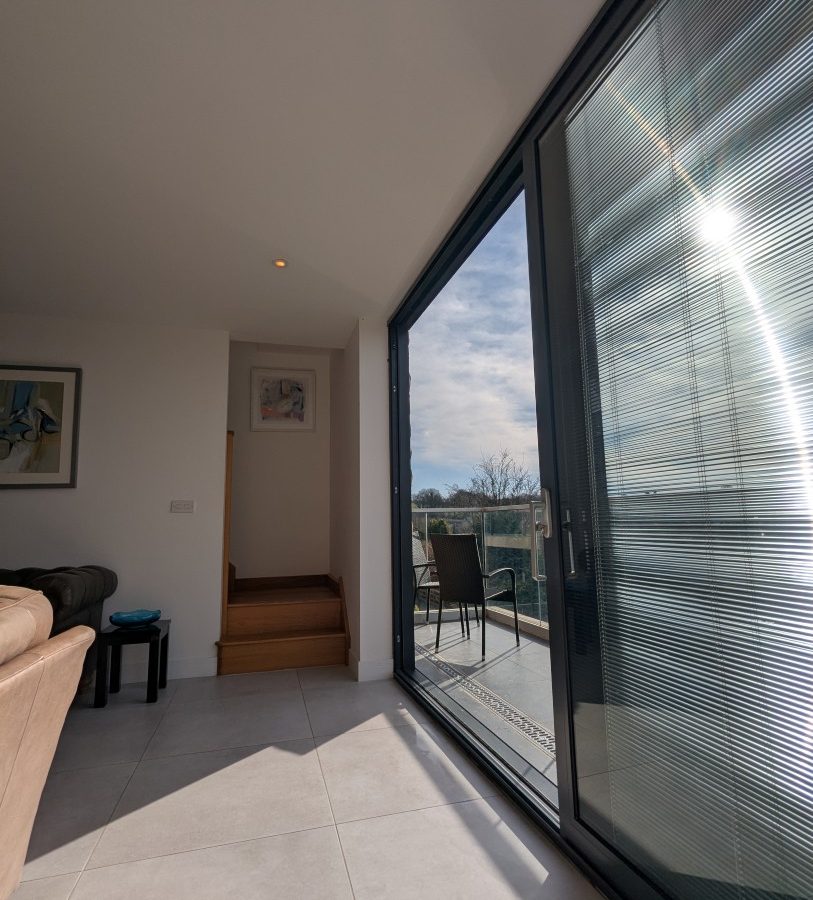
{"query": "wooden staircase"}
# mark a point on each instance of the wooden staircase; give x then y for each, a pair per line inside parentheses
(282, 623)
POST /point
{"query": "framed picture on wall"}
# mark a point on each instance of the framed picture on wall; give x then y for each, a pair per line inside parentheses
(283, 400)
(39, 426)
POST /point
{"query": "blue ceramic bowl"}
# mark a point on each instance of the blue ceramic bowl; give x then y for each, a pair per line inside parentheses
(135, 618)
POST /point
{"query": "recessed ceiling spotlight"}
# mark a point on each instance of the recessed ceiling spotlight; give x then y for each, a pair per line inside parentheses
(280, 263)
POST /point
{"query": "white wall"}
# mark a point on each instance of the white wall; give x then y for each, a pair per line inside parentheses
(344, 493)
(281, 480)
(375, 658)
(152, 429)
(360, 545)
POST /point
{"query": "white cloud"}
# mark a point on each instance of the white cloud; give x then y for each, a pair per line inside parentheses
(471, 360)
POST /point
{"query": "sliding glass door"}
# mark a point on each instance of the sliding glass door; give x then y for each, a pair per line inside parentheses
(681, 308)
(667, 184)
(474, 467)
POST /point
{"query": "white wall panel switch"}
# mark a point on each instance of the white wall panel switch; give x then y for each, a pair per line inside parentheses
(182, 506)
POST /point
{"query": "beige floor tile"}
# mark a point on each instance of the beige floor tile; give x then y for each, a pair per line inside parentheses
(374, 773)
(307, 865)
(325, 676)
(58, 887)
(133, 694)
(101, 737)
(187, 802)
(360, 707)
(75, 806)
(480, 848)
(239, 721)
(219, 687)
(232, 797)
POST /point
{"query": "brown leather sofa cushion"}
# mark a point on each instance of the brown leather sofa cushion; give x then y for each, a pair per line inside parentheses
(25, 620)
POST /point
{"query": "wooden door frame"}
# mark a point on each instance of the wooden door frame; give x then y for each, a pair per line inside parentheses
(224, 587)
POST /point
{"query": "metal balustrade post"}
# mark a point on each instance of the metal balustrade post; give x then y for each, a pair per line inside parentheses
(485, 548)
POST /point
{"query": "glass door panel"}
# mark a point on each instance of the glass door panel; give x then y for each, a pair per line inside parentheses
(474, 471)
(685, 446)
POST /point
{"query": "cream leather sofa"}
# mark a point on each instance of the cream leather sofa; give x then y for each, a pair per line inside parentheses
(38, 679)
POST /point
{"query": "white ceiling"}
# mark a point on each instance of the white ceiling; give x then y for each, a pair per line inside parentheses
(156, 156)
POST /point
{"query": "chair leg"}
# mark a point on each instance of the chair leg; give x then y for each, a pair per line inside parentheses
(462, 626)
(428, 600)
(516, 616)
(477, 613)
(468, 633)
(440, 616)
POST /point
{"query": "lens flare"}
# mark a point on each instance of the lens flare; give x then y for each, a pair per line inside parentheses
(717, 226)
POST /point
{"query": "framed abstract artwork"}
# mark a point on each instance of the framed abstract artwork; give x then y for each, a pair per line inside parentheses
(283, 400)
(39, 426)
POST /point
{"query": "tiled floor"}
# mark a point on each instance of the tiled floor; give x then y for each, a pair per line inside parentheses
(279, 785)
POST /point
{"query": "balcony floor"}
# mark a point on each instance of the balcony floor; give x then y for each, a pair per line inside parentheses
(509, 692)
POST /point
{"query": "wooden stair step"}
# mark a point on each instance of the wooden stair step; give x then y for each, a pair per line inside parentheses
(269, 636)
(263, 652)
(283, 613)
(282, 623)
(283, 595)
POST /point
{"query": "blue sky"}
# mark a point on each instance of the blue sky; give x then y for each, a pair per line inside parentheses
(471, 363)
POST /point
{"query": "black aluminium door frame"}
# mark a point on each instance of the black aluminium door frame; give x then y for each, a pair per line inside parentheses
(546, 199)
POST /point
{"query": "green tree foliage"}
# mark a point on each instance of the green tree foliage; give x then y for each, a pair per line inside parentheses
(429, 498)
(438, 526)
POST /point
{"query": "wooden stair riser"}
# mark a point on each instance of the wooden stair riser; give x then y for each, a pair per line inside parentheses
(283, 617)
(280, 653)
(282, 623)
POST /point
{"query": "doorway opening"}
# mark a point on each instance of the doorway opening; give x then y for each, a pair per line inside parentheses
(476, 491)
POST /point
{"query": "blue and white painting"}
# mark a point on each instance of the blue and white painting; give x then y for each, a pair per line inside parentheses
(38, 426)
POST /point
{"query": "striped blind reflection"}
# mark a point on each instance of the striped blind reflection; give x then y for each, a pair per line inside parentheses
(691, 174)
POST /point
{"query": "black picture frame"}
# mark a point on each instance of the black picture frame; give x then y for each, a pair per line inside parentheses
(65, 477)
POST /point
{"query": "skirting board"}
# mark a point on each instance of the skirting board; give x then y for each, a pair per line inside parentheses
(370, 669)
(134, 670)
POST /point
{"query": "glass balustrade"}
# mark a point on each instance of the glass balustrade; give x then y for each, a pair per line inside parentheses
(505, 538)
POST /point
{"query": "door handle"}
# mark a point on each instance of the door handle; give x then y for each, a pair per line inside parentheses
(540, 524)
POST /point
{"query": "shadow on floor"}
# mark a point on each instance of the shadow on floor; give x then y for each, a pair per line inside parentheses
(197, 759)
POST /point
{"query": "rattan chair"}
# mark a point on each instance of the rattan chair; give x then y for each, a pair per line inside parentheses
(422, 574)
(463, 581)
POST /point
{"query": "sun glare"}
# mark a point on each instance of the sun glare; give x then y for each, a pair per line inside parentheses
(717, 225)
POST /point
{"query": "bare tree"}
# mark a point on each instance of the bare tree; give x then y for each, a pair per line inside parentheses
(496, 480)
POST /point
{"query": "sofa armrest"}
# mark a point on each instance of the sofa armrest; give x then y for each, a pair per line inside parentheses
(66, 591)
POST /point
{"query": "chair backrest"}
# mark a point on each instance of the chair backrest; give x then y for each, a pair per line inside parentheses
(457, 561)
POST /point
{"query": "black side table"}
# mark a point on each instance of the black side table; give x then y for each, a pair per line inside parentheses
(110, 640)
